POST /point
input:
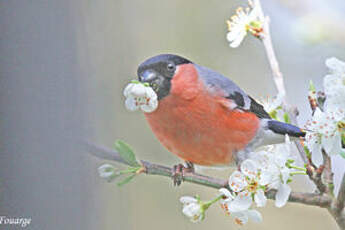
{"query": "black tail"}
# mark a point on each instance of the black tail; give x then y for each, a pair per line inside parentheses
(285, 128)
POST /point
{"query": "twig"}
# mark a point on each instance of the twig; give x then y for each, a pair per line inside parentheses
(312, 199)
(267, 41)
(340, 202)
(293, 113)
(327, 173)
(315, 176)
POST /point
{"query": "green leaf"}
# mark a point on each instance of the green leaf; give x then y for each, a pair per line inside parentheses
(126, 153)
(286, 118)
(126, 180)
(273, 114)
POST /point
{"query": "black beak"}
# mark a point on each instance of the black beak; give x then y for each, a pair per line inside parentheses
(147, 76)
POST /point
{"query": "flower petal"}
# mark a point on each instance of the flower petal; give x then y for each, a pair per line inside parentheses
(260, 198)
(282, 195)
(188, 200)
(316, 155)
(193, 211)
(332, 144)
(225, 192)
(130, 104)
(254, 215)
(249, 168)
(138, 90)
(285, 174)
(237, 41)
(150, 93)
(241, 218)
(241, 202)
(237, 181)
(265, 177)
(335, 65)
(150, 107)
(128, 89)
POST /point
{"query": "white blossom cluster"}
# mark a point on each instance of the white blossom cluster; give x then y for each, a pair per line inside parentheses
(140, 96)
(264, 170)
(326, 127)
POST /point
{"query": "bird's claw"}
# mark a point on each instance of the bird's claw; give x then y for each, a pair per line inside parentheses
(178, 172)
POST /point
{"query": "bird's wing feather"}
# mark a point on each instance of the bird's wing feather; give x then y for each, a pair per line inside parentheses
(226, 88)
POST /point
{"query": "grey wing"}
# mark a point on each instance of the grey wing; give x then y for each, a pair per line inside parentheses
(217, 83)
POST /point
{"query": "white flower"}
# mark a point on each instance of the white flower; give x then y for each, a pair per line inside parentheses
(247, 183)
(242, 22)
(192, 208)
(241, 215)
(139, 96)
(235, 202)
(323, 132)
(107, 171)
(255, 182)
(274, 171)
(334, 85)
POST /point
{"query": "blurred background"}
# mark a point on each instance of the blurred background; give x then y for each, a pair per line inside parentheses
(63, 67)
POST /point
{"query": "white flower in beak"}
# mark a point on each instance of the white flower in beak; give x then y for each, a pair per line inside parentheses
(140, 96)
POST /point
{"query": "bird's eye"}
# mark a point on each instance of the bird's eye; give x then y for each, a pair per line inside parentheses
(171, 67)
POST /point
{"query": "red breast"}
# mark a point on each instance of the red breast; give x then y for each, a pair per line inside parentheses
(199, 126)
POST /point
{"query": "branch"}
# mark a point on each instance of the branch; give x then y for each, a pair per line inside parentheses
(315, 176)
(327, 173)
(312, 199)
(267, 41)
(338, 216)
(340, 202)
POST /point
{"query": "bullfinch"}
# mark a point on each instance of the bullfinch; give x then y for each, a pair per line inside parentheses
(205, 118)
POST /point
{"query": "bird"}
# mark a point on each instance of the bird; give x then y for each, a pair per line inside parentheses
(203, 117)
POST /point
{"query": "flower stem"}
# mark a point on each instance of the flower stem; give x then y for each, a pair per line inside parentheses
(209, 203)
(129, 170)
(297, 167)
(298, 173)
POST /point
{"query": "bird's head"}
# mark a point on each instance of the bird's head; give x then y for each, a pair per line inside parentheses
(159, 70)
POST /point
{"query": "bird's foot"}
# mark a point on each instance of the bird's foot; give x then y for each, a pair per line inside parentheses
(179, 170)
